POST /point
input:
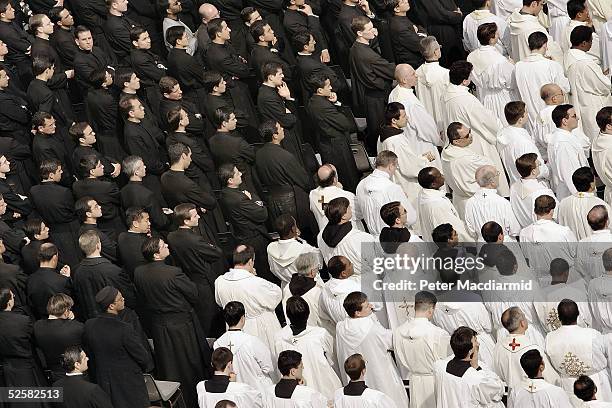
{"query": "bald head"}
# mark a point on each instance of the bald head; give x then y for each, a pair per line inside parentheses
(326, 175)
(598, 218)
(511, 319)
(405, 75)
(550, 91)
(208, 12)
(487, 176)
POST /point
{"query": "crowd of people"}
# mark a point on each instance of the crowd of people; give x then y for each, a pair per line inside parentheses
(193, 194)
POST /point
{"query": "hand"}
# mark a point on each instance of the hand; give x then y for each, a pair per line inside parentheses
(241, 58)
(232, 377)
(474, 357)
(65, 271)
(416, 29)
(339, 185)
(71, 315)
(203, 210)
(274, 41)
(365, 6)
(117, 170)
(325, 58)
(16, 215)
(29, 50)
(246, 193)
(306, 9)
(429, 156)
(332, 97)
(284, 91)
(69, 73)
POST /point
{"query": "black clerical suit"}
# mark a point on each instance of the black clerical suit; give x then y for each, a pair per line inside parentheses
(43, 48)
(63, 43)
(109, 245)
(244, 110)
(136, 194)
(18, 42)
(117, 31)
(334, 139)
(296, 21)
(181, 351)
(262, 54)
(81, 152)
(445, 24)
(147, 66)
(43, 284)
(80, 393)
(406, 42)
(52, 337)
(202, 168)
(187, 71)
(29, 256)
(309, 66)
(129, 245)
(230, 10)
(119, 360)
(86, 62)
(14, 203)
(15, 117)
(54, 146)
(202, 262)
(372, 79)
(107, 195)
(13, 277)
(196, 121)
(22, 173)
(102, 113)
(230, 147)
(92, 13)
(53, 101)
(224, 59)
(91, 276)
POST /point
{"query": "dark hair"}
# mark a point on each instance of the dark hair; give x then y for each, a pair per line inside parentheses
(442, 233)
(47, 252)
(267, 130)
(353, 301)
(81, 207)
(490, 231)
(233, 312)
(558, 267)
(214, 26)
(584, 388)
(270, 68)
(243, 257)
(126, 105)
(70, 357)
(136, 32)
(175, 33)
(390, 212)
(221, 115)
(426, 177)
(182, 212)
(335, 209)
(220, 358)
(531, 360)
(581, 34)
(486, 32)
(604, 118)
(424, 300)
(211, 80)
(393, 111)
(358, 23)
(582, 179)
(97, 77)
(32, 227)
(460, 71)
(544, 204)
(59, 303)
(80, 29)
(40, 64)
(166, 83)
(385, 159)
(568, 312)
(607, 259)
(301, 39)
(257, 29)
(176, 151)
(354, 365)
(461, 341)
(87, 164)
(297, 310)
(574, 7)
(174, 118)
(452, 132)
(225, 404)
(5, 296)
(134, 214)
(317, 81)
(284, 225)
(38, 119)
(288, 360)
(150, 247)
(506, 262)
(514, 111)
(537, 40)
(54, 14)
(246, 12)
(48, 166)
(124, 75)
(526, 163)
(335, 266)
(225, 172)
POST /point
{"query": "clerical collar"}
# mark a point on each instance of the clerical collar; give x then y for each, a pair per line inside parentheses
(218, 383)
(285, 387)
(73, 374)
(355, 388)
(306, 54)
(458, 367)
(235, 330)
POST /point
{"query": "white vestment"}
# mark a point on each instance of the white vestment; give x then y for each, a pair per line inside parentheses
(553, 294)
(243, 395)
(601, 151)
(283, 253)
(512, 143)
(565, 155)
(435, 209)
(507, 357)
(312, 297)
(252, 359)
(523, 194)
(537, 393)
(605, 45)
(503, 8)
(259, 298)
(418, 344)
(533, 72)
(545, 240)
(303, 397)
(597, 404)
(486, 205)
(323, 195)
(592, 89)
(461, 106)
(599, 294)
(545, 127)
(520, 27)
(376, 190)
(432, 80)
(601, 11)
(332, 299)
(351, 247)
(369, 399)
(317, 348)
(565, 43)
(575, 351)
(460, 165)
(557, 13)
(475, 19)
(493, 75)
(476, 389)
(366, 336)
(573, 211)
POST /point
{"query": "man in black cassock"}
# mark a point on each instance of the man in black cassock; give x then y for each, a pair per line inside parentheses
(372, 78)
(149, 67)
(88, 57)
(15, 114)
(404, 37)
(117, 28)
(181, 351)
(37, 233)
(55, 204)
(49, 144)
(130, 241)
(230, 10)
(172, 97)
(85, 138)
(18, 41)
(89, 212)
(443, 19)
(13, 277)
(117, 355)
(272, 12)
(19, 206)
(299, 18)
(62, 39)
(182, 66)
(203, 262)
(77, 391)
(92, 14)
(334, 132)
(264, 49)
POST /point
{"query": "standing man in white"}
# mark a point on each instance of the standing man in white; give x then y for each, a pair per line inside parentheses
(578, 11)
(357, 394)
(602, 150)
(478, 17)
(432, 81)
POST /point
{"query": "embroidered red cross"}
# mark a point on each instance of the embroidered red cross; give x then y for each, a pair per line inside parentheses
(514, 344)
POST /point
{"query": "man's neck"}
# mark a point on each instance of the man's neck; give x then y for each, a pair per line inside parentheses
(263, 43)
(48, 265)
(94, 255)
(362, 40)
(134, 120)
(42, 77)
(566, 129)
(44, 36)
(172, 17)
(518, 125)
(527, 10)
(129, 91)
(222, 373)
(181, 130)
(275, 142)
(135, 178)
(180, 47)
(219, 41)
(177, 167)
(5, 20)
(547, 217)
(90, 221)
(84, 144)
(222, 130)
(64, 27)
(400, 14)
(288, 377)
(115, 13)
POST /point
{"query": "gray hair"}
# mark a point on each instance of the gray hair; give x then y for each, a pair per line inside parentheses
(306, 262)
(129, 165)
(486, 176)
(428, 46)
(511, 318)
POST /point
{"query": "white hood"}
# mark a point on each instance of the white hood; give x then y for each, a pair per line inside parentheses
(285, 251)
(356, 330)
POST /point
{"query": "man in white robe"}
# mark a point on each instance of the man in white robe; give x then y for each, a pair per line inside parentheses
(605, 45)
(435, 208)
(487, 205)
(559, 18)
(461, 106)
(418, 344)
(521, 24)
(421, 131)
(576, 351)
(534, 71)
(602, 151)
(536, 391)
(342, 282)
(510, 348)
(460, 162)
(464, 381)
(292, 390)
(392, 138)
(503, 8)
(432, 81)
(573, 210)
(524, 192)
(357, 394)
(586, 77)
(223, 386)
(513, 141)
(493, 73)
(362, 333)
(252, 361)
(314, 343)
(586, 390)
(478, 17)
(378, 189)
(601, 11)
(328, 189)
(283, 253)
(599, 292)
(340, 238)
(258, 296)
(565, 153)
(579, 13)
